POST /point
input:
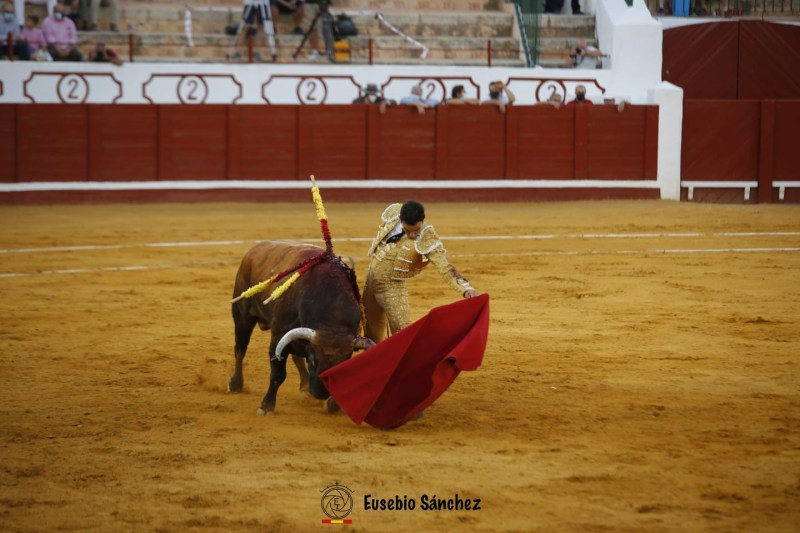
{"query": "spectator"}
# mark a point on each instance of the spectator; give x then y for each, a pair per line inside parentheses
(620, 106)
(499, 95)
(61, 36)
(555, 7)
(372, 95)
(296, 8)
(10, 24)
(554, 100)
(585, 56)
(72, 10)
(33, 35)
(580, 96)
(722, 10)
(101, 54)
(457, 97)
(415, 99)
(93, 8)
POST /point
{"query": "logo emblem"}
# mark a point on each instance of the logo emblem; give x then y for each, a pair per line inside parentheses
(337, 501)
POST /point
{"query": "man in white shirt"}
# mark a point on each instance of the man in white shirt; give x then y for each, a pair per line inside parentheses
(585, 56)
(416, 99)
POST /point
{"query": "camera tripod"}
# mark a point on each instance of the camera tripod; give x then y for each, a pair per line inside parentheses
(259, 10)
(327, 30)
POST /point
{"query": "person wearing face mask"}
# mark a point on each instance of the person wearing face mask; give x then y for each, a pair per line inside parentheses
(10, 24)
(373, 96)
(499, 95)
(61, 36)
(580, 96)
(404, 246)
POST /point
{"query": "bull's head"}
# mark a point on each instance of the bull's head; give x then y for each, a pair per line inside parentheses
(327, 349)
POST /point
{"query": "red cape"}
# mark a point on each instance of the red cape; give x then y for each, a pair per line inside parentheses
(395, 380)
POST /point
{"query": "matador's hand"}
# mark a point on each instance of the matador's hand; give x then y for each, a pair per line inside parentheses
(470, 293)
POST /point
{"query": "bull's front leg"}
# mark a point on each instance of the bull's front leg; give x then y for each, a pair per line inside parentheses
(277, 375)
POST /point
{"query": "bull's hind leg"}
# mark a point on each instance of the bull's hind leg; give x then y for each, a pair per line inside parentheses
(243, 325)
(277, 375)
(300, 363)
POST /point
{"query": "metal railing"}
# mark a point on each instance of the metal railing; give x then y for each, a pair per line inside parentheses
(733, 8)
(130, 46)
(529, 21)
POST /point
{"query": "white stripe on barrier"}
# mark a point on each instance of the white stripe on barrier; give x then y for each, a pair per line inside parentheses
(188, 244)
(53, 186)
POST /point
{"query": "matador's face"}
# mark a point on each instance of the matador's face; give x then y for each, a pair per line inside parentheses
(412, 230)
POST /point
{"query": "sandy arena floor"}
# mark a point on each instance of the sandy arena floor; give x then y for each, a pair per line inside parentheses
(642, 374)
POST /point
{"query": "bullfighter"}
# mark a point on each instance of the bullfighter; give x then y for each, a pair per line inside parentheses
(404, 246)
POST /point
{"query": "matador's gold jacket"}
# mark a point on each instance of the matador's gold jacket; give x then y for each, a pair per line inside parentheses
(406, 258)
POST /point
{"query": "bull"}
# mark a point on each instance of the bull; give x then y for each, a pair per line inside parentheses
(316, 321)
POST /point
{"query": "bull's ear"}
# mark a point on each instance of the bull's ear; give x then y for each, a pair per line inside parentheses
(362, 343)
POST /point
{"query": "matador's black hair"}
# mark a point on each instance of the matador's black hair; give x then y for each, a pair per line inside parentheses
(412, 212)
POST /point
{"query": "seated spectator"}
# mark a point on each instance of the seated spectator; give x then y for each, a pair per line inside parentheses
(101, 54)
(580, 96)
(554, 100)
(61, 36)
(415, 99)
(93, 9)
(457, 97)
(296, 8)
(499, 95)
(33, 35)
(10, 24)
(372, 95)
(585, 56)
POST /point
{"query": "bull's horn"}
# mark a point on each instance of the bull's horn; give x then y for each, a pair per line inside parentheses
(362, 343)
(292, 335)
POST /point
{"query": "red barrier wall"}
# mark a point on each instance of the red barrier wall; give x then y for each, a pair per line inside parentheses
(216, 142)
(769, 60)
(746, 59)
(786, 152)
(703, 59)
(123, 145)
(720, 140)
(8, 143)
(742, 140)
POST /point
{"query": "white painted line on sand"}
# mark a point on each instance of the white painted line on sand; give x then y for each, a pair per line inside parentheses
(649, 251)
(179, 244)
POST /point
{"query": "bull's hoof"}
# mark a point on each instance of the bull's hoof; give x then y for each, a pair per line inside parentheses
(304, 387)
(262, 412)
(331, 406)
(235, 385)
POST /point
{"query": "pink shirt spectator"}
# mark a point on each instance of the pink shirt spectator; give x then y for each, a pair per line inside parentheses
(34, 37)
(61, 33)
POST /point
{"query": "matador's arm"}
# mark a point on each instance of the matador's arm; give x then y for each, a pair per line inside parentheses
(429, 245)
